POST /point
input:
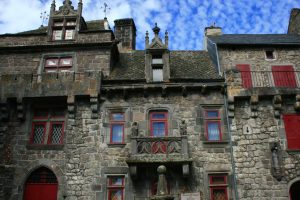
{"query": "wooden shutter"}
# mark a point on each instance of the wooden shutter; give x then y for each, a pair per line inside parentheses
(292, 130)
(284, 76)
(245, 75)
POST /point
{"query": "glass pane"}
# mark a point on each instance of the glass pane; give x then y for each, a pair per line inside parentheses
(58, 24)
(52, 62)
(117, 116)
(219, 194)
(65, 62)
(218, 180)
(38, 133)
(157, 61)
(158, 129)
(69, 34)
(58, 112)
(56, 134)
(212, 114)
(117, 133)
(57, 34)
(116, 181)
(115, 195)
(40, 113)
(71, 23)
(213, 131)
(157, 75)
(158, 115)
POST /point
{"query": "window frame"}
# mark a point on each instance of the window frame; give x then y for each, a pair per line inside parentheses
(59, 67)
(117, 122)
(63, 27)
(157, 66)
(152, 120)
(218, 186)
(208, 120)
(111, 187)
(48, 122)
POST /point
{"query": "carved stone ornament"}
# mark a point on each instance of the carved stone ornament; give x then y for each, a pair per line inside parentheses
(276, 161)
(134, 129)
(183, 128)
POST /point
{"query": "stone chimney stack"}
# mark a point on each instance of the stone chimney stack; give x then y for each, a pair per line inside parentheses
(294, 23)
(125, 32)
(211, 31)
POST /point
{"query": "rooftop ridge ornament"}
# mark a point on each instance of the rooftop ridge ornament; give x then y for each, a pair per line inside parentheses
(105, 9)
(156, 29)
(44, 16)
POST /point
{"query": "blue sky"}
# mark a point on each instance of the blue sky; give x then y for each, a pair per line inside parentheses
(185, 20)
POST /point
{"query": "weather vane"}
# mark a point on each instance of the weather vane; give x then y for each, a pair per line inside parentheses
(105, 8)
(44, 16)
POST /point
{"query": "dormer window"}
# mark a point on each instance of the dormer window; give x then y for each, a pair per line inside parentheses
(157, 68)
(63, 29)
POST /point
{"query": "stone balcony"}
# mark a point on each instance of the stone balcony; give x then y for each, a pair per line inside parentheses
(49, 84)
(171, 150)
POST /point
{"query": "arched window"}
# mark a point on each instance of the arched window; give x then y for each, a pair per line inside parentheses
(41, 184)
(295, 191)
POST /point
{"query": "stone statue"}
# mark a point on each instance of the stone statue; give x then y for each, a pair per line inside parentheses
(183, 128)
(275, 161)
(134, 129)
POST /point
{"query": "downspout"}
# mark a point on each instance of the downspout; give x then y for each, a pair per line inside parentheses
(228, 124)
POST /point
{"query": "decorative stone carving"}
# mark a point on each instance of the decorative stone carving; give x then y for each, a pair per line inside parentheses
(71, 107)
(94, 105)
(183, 128)
(134, 129)
(277, 103)
(4, 111)
(276, 161)
(297, 104)
(254, 107)
(230, 106)
(20, 110)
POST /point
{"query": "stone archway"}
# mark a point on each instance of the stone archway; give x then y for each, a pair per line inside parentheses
(295, 190)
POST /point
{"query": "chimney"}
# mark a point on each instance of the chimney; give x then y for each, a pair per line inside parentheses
(294, 23)
(125, 32)
(211, 31)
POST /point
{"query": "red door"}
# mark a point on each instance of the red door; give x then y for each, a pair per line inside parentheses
(292, 130)
(284, 76)
(245, 75)
(41, 185)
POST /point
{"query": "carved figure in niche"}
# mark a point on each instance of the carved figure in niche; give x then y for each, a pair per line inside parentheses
(134, 129)
(183, 128)
(275, 161)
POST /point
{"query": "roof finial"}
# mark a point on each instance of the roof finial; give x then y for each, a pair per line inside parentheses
(105, 9)
(44, 16)
(166, 38)
(156, 29)
(147, 39)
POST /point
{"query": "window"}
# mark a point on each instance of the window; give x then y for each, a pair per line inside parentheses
(116, 187)
(47, 126)
(245, 75)
(213, 125)
(284, 76)
(218, 187)
(270, 55)
(63, 29)
(56, 64)
(117, 128)
(292, 130)
(159, 124)
(157, 68)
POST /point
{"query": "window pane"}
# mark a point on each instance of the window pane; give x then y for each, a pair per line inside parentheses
(52, 62)
(157, 75)
(65, 62)
(115, 194)
(58, 24)
(40, 113)
(57, 34)
(157, 61)
(58, 112)
(219, 194)
(117, 116)
(69, 34)
(71, 23)
(117, 133)
(212, 114)
(38, 133)
(158, 115)
(218, 180)
(158, 129)
(56, 135)
(213, 132)
(116, 181)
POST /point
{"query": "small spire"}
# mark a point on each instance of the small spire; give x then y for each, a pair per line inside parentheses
(147, 39)
(166, 38)
(105, 9)
(52, 6)
(156, 29)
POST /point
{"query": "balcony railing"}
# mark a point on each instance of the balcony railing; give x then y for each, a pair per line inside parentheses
(249, 79)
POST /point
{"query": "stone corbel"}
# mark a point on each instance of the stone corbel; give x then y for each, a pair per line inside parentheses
(203, 89)
(164, 91)
(125, 94)
(184, 91)
(146, 93)
(277, 103)
(133, 171)
(71, 107)
(4, 111)
(254, 106)
(94, 105)
(20, 109)
(276, 169)
(185, 170)
(231, 106)
(297, 104)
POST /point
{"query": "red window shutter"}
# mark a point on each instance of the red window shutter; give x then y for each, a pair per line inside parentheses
(245, 75)
(284, 76)
(292, 130)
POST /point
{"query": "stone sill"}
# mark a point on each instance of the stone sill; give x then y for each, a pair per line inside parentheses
(216, 142)
(45, 147)
(116, 145)
(296, 151)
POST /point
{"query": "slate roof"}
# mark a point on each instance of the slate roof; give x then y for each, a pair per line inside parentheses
(256, 39)
(183, 65)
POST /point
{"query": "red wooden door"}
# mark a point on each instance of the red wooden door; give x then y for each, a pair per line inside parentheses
(292, 130)
(284, 76)
(245, 75)
(41, 185)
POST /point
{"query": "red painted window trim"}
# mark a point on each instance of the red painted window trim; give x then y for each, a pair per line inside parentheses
(117, 122)
(218, 176)
(284, 76)
(245, 75)
(32, 132)
(59, 66)
(165, 120)
(218, 186)
(51, 132)
(112, 187)
(213, 119)
(293, 140)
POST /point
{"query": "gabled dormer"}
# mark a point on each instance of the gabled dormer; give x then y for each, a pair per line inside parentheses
(65, 22)
(157, 59)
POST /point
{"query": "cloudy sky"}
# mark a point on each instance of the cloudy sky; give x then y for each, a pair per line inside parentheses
(185, 20)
